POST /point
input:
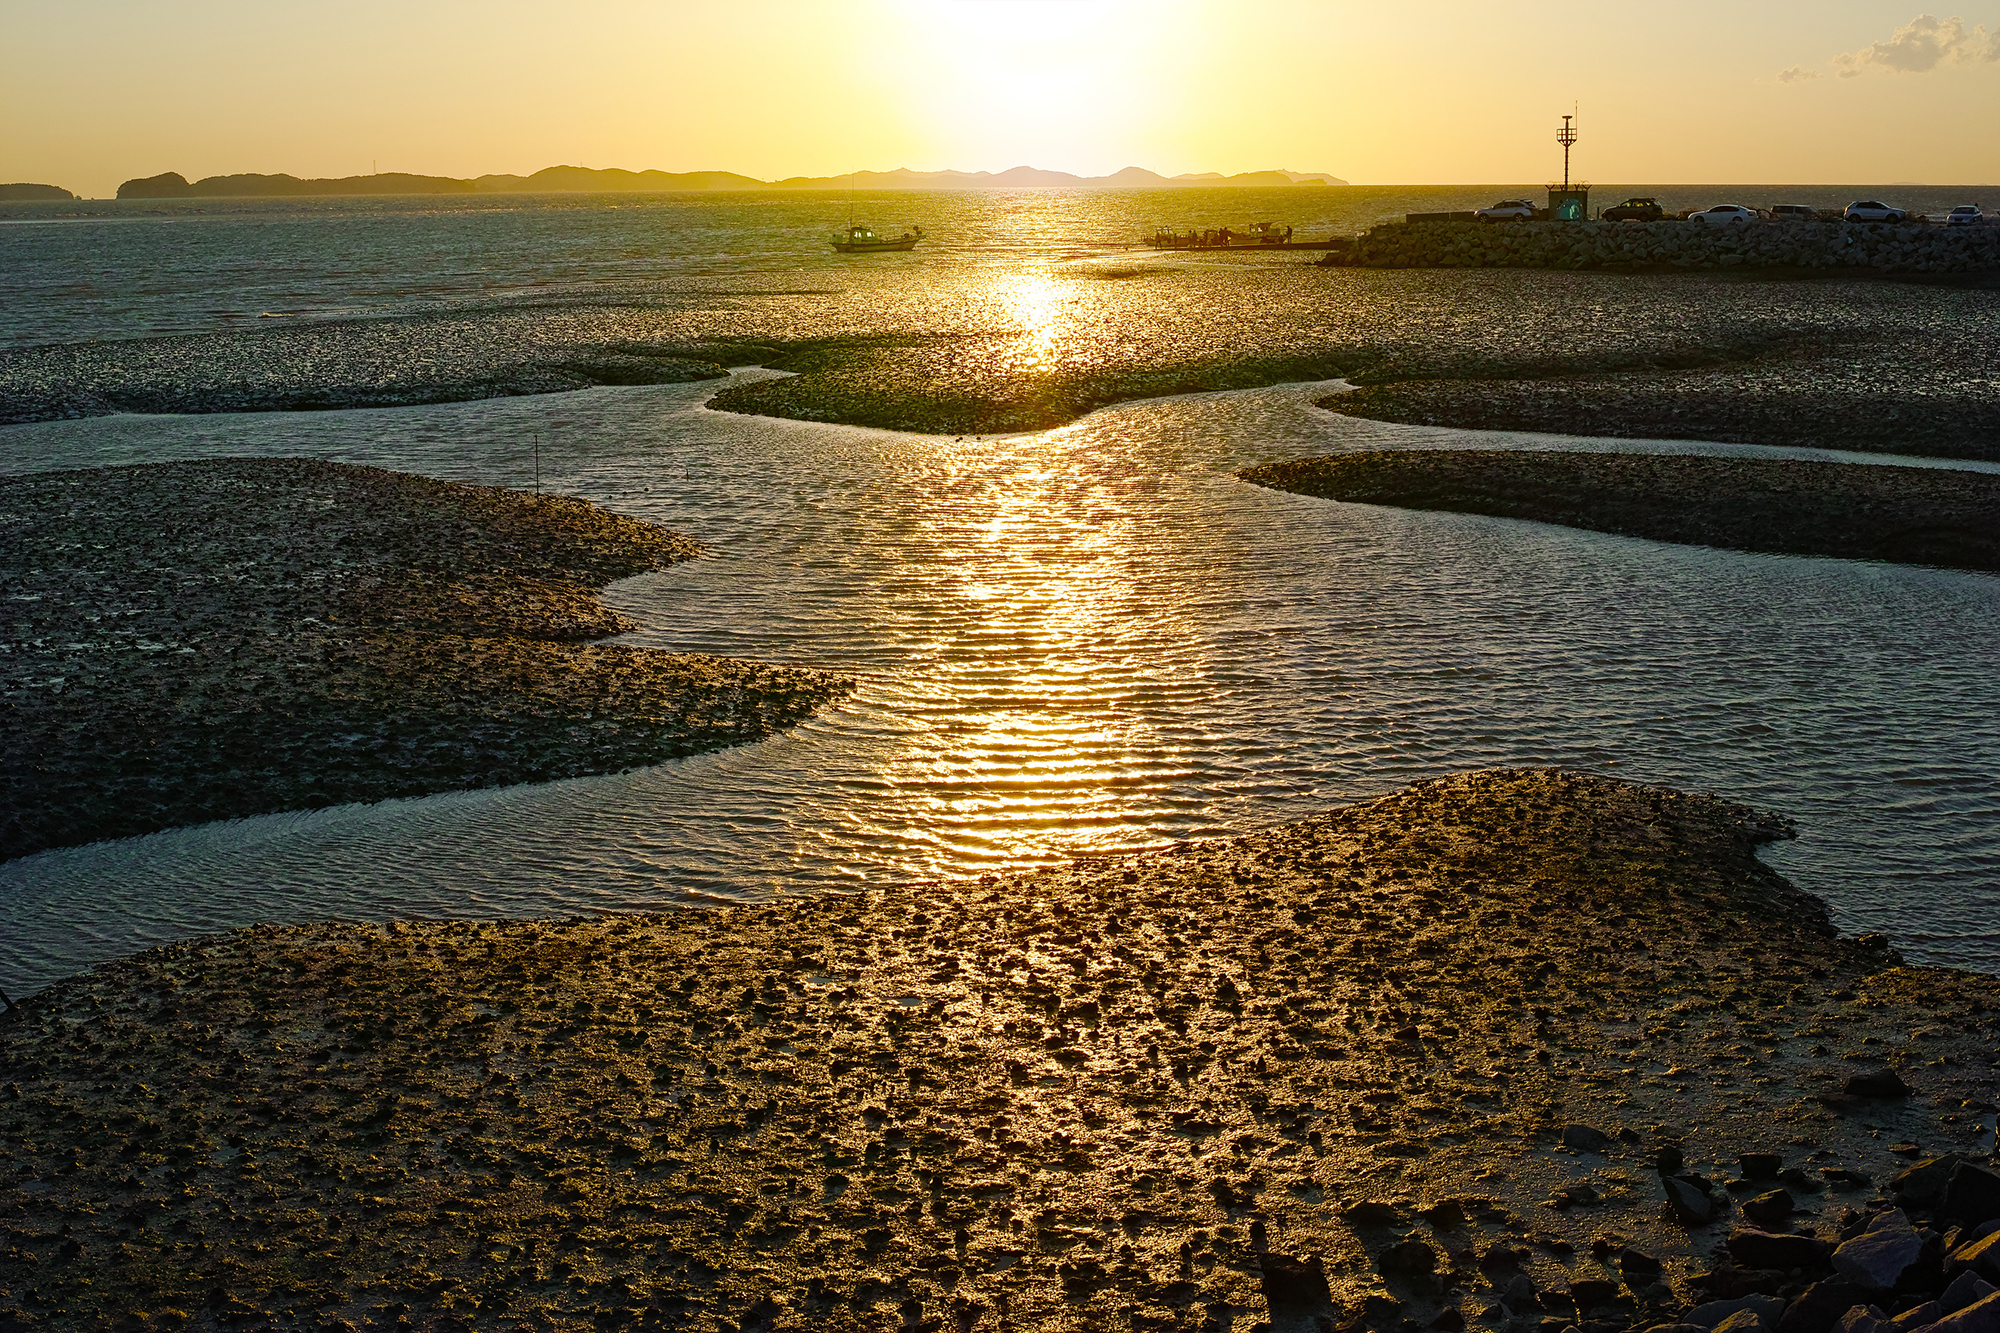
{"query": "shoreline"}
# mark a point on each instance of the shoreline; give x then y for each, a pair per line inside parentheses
(280, 634)
(1423, 1062)
(1849, 511)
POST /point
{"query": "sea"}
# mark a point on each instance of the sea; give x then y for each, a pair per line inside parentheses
(1068, 643)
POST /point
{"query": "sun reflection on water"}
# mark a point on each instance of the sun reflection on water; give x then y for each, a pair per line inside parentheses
(1040, 306)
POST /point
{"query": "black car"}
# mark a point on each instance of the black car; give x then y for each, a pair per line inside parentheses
(1635, 210)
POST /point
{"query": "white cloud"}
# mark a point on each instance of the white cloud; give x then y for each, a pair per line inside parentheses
(1797, 73)
(1923, 44)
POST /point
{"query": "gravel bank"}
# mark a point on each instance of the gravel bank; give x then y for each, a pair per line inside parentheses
(1923, 516)
(1443, 1057)
(197, 641)
(1869, 365)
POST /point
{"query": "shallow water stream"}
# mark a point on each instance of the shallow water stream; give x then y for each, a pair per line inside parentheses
(1094, 638)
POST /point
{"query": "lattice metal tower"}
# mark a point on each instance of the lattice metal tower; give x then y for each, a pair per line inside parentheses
(1566, 136)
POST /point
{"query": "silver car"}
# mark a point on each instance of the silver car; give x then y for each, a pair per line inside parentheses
(1965, 215)
(1874, 210)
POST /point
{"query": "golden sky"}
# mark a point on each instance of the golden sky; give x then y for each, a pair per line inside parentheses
(1423, 91)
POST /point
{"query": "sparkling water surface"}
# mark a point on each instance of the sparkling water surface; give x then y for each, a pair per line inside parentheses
(1096, 638)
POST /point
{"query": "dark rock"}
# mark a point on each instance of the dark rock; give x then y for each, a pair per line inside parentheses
(1884, 1084)
(1766, 1309)
(1764, 1249)
(1296, 1290)
(1373, 1213)
(1668, 1160)
(1820, 1306)
(1412, 1258)
(1973, 1195)
(1981, 1256)
(1923, 1185)
(1639, 1269)
(1862, 1319)
(1878, 1258)
(1583, 1138)
(1451, 1321)
(1917, 1316)
(1966, 1289)
(1981, 1317)
(1499, 1257)
(1799, 1180)
(1690, 1206)
(1743, 1321)
(1768, 1210)
(1590, 1291)
(1444, 1216)
(1760, 1165)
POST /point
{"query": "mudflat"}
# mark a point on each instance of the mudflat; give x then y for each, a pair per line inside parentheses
(1508, 1047)
(1929, 516)
(208, 640)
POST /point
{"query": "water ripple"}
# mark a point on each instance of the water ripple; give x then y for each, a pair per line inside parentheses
(1096, 638)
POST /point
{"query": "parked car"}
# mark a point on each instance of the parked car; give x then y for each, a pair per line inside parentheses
(1723, 215)
(1873, 210)
(1507, 208)
(1634, 210)
(1793, 213)
(1965, 215)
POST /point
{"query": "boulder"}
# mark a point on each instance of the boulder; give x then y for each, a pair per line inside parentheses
(1878, 1258)
(1764, 1249)
(1917, 1316)
(1690, 1205)
(1589, 1291)
(1979, 1317)
(1760, 1165)
(1965, 1289)
(1372, 1213)
(1863, 1319)
(1713, 1315)
(1638, 1268)
(1582, 1138)
(1743, 1321)
(1981, 1256)
(1412, 1258)
(1923, 1185)
(1884, 1084)
(1768, 1210)
(1972, 1195)
(1819, 1307)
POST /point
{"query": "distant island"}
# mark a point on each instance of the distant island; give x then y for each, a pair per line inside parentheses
(172, 185)
(21, 192)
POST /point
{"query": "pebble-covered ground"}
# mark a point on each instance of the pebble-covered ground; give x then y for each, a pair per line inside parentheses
(1887, 366)
(1853, 511)
(1520, 1050)
(194, 641)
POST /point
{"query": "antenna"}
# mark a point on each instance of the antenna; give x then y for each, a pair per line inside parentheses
(1566, 136)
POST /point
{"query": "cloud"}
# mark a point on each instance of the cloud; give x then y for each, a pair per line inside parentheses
(1923, 44)
(1798, 72)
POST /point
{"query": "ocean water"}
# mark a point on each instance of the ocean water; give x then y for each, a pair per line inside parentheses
(1068, 642)
(74, 272)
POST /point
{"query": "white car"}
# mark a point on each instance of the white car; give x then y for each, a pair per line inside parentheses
(1965, 215)
(1508, 208)
(1722, 215)
(1873, 210)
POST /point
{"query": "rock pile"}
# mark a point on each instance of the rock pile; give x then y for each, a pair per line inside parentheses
(1911, 248)
(194, 641)
(1501, 1051)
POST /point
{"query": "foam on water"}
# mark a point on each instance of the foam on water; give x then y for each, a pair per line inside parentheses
(1095, 638)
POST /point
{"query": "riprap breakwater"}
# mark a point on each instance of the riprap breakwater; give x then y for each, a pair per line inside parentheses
(1915, 248)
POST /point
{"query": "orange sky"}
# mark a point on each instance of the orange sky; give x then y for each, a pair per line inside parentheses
(95, 91)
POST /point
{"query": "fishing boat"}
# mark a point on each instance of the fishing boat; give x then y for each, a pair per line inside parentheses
(863, 241)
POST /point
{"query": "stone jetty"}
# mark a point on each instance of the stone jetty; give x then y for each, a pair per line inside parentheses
(1514, 1051)
(1913, 248)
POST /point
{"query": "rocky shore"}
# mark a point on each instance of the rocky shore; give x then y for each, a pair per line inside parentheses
(207, 640)
(1925, 516)
(1522, 1050)
(1904, 248)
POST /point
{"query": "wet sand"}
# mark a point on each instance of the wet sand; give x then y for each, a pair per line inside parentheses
(1412, 1063)
(209, 640)
(1859, 512)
